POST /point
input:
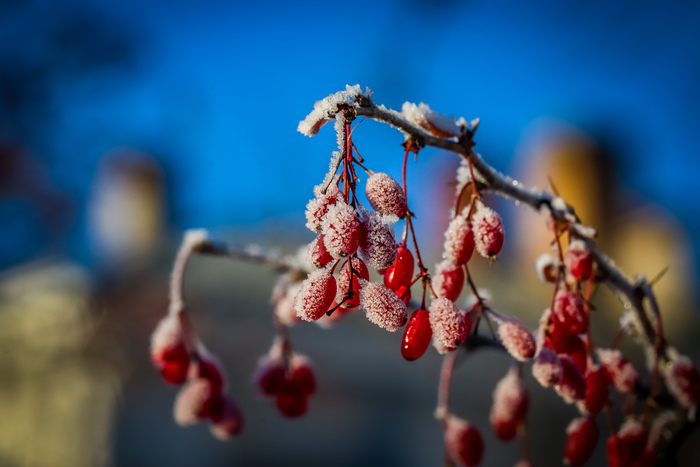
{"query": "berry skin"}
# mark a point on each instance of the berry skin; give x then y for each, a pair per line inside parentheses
(316, 295)
(377, 243)
(572, 386)
(582, 438)
(569, 313)
(488, 231)
(459, 240)
(547, 368)
(343, 282)
(683, 381)
(401, 271)
(229, 422)
(517, 339)
(621, 374)
(574, 347)
(633, 438)
(596, 392)
(318, 255)
(417, 336)
(616, 453)
(269, 375)
(448, 280)
(168, 350)
(197, 400)
(341, 229)
(510, 404)
(463, 442)
(385, 195)
(404, 294)
(579, 260)
(291, 401)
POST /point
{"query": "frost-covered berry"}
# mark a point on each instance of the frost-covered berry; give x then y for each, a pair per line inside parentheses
(546, 267)
(302, 373)
(341, 229)
(377, 242)
(401, 271)
(317, 208)
(572, 346)
(488, 231)
(448, 280)
(417, 336)
(229, 422)
(547, 368)
(569, 313)
(318, 255)
(633, 438)
(284, 307)
(596, 391)
(620, 372)
(581, 440)
(517, 339)
(510, 403)
(315, 296)
(199, 399)
(382, 306)
(572, 386)
(385, 195)
(463, 442)
(269, 374)
(343, 283)
(459, 240)
(450, 326)
(616, 453)
(683, 381)
(168, 350)
(579, 261)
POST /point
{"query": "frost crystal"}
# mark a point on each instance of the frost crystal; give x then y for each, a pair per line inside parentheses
(382, 306)
(449, 324)
(167, 335)
(385, 195)
(459, 240)
(517, 339)
(441, 126)
(510, 398)
(568, 310)
(378, 246)
(284, 308)
(317, 208)
(547, 368)
(325, 109)
(341, 228)
(488, 231)
(317, 254)
(448, 280)
(315, 296)
(621, 373)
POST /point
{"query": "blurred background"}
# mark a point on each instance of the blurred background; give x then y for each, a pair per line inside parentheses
(123, 123)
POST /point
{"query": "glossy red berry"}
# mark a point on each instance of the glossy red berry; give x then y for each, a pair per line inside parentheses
(596, 391)
(568, 311)
(343, 282)
(291, 401)
(417, 336)
(404, 294)
(572, 386)
(448, 280)
(318, 255)
(582, 438)
(401, 271)
(574, 347)
(579, 260)
(616, 453)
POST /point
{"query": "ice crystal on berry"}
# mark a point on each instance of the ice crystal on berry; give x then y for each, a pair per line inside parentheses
(315, 296)
(463, 442)
(377, 244)
(450, 326)
(568, 311)
(579, 260)
(488, 231)
(448, 280)
(572, 385)
(581, 440)
(547, 368)
(683, 381)
(622, 375)
(517, 339)
(385, 195)
(459, 240)
(382, 306)
(341, 229)
(197, 400)
(168, 350)
(510, 403)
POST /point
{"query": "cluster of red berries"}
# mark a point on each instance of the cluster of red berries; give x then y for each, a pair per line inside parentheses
(289, 379)
(203, 395)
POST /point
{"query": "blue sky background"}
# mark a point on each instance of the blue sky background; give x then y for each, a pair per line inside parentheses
(215, 90)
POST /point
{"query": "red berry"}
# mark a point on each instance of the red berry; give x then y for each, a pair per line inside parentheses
(463, 442)
(316, 295)
(616, 453)
(633, 437)
(343, 282)
(377, 243)
(647, 459)
(517, 339)
(620, 372)
(582, 438)
(574, 347)
(269, 375)
(572, 386)
(488, 231)
(341, 229)
(382, 306)
(448, 280)
(302, 374)
(417, 336)
(401, 271)
(683, 381)
(291, 401)
(385, 195)
(510, 404)
(459, 240)
(197, 400)
(318, 255)
(229, 422)
(596, 391)
(505, 430)
(579, 260)
(568, 312)
(404, 294)
(168, 350)
(450, 326)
